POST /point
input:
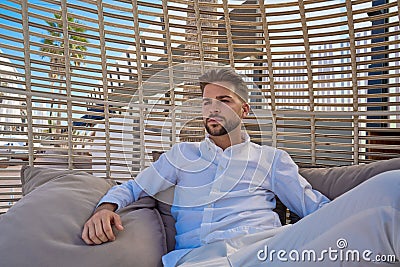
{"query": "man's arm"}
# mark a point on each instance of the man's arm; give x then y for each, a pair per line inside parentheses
(294, 190)
(158, 177)
(98, 229)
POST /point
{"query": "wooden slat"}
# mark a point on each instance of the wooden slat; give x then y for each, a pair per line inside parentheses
(309, 76)
(171, 84)
(139, 80)
(228, 33)
(28, 85)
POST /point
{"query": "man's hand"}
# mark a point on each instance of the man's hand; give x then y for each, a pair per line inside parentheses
(97, 229)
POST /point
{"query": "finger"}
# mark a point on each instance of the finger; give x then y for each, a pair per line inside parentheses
(107, 229)
(92, 235)
(118, 222)
(85, 235)
(99, 232)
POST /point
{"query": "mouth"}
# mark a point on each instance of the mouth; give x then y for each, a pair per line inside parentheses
(214, 120)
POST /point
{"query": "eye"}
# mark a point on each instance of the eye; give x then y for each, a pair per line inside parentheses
(206, 102)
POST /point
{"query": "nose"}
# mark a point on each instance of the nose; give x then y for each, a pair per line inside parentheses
(215, 107)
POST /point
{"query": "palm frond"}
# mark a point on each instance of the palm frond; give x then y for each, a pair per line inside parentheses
(58, 50)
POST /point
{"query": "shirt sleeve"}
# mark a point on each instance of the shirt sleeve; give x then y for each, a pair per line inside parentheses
(294, 190)
(156, 178)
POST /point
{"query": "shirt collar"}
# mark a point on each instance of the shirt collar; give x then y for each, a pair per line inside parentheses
(212, 145)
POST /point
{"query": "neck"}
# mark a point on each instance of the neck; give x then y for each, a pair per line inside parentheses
(227, 140)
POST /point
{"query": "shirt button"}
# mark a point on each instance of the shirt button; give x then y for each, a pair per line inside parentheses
(209, 205)
(220, 168)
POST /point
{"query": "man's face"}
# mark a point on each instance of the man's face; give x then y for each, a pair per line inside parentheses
(222, 109)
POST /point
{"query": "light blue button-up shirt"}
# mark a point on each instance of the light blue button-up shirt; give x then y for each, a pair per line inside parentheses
(221, 194)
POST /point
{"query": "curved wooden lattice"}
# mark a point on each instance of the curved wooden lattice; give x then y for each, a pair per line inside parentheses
(99, 85)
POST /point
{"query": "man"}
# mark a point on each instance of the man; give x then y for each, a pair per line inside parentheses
(225, 189)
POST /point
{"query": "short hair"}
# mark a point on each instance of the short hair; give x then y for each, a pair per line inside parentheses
(225, 75)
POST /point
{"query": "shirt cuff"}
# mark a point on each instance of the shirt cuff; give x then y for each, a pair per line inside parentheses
(107, 199)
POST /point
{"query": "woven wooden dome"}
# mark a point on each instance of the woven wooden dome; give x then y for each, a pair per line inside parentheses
(100, 85)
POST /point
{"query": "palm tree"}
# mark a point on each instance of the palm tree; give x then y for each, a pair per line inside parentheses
(56, 49)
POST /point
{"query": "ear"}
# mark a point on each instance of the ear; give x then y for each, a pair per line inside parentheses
(245, 109)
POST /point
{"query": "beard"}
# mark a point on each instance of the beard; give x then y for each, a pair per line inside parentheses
(221, 129)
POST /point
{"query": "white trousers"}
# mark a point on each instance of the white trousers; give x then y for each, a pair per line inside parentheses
(359, 228)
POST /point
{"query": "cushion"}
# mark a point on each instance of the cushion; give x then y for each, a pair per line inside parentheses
(164, 201)
(31, 178)
(335, 181)
(44, 227)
